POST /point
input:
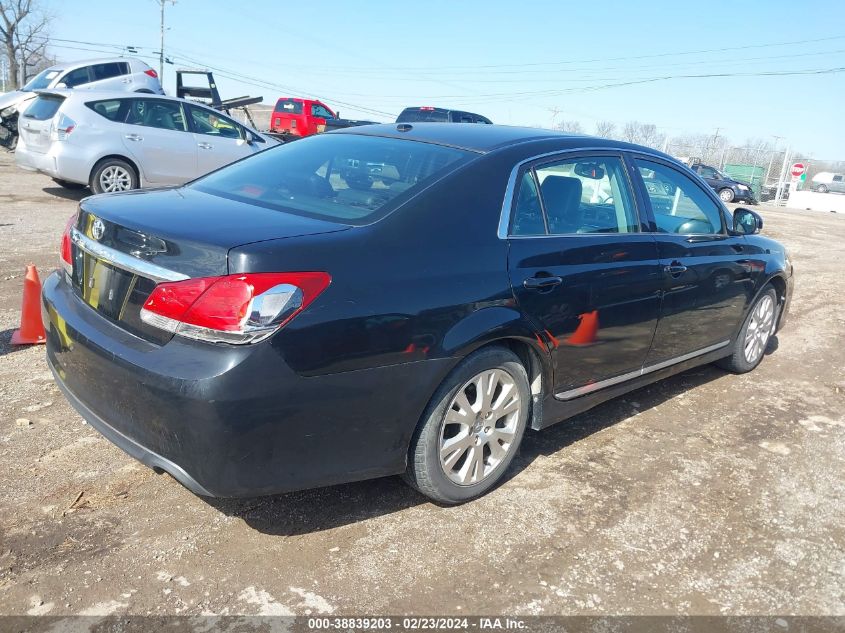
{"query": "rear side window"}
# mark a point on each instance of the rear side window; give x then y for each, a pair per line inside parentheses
(679, 204)
(289, 106)
(580, 195)
(109, 70)
(44, 107)
(338, 177)
(837, 179)
(111, 109)
(423, 115)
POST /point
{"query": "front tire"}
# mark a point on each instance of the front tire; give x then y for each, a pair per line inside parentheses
(753, 337)
(471, 429)
(113, 174)
(821, 189)
(727, 195)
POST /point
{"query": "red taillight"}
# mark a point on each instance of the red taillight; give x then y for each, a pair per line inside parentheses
(242, 308)
(151, 73)
(427, 108)
(67, 251)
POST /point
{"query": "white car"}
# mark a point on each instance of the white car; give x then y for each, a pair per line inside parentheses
(116, 141)
(117, 73)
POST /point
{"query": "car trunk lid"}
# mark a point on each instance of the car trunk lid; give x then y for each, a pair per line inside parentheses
(124, 244)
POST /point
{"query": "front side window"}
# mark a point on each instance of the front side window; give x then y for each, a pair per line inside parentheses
(158, 113)
(707, 172)
(837, 179)
(76, 77)
(679, 204)
(213, 123)
(354, 179)
(320, 111)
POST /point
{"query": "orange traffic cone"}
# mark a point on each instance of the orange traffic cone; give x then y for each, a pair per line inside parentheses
(32, 329)
(585, 333)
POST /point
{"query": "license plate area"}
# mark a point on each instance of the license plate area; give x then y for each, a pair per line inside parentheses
(114, 293)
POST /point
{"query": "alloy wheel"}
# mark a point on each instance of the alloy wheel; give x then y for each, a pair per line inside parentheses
(759, 329)
(479, 427)
(115, 178)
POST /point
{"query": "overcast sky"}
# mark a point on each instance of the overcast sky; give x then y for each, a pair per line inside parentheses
(520, 63)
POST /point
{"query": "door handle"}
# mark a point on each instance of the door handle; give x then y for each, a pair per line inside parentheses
(134, 137)
(675, 269)
(540, 283)
(205, 145)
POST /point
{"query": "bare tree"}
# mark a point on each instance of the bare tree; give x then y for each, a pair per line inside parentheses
(23, 35)
(570, 126)
(605, 129)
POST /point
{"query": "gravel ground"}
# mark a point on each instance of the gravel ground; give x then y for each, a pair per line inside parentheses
(707, 493)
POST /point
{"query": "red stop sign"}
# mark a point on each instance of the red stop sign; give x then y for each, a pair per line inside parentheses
(798, 169)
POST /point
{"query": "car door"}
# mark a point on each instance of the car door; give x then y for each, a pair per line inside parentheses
(706, 271)
(219, 139)
(157, 138)
(582, 269)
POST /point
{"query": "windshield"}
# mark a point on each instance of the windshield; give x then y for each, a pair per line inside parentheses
(42, 80)
(347, 178)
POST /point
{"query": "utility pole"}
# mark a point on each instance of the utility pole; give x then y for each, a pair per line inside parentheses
(779, 192)
(772, 157)
(161, 51)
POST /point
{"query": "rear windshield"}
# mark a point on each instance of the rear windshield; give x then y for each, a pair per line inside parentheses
(41, 80)
(289, 106)
(420, 115)
(337, 177)
(43, 108)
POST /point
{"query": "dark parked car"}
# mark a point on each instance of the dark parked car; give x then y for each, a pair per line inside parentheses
(729, 189)
(269, 327)
(430, 114)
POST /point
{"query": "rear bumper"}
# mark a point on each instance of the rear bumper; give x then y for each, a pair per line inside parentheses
(232, 421)
(127, 444)
(59, 161)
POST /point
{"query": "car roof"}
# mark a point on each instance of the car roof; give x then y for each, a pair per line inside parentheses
(487, 138)
(87, 62)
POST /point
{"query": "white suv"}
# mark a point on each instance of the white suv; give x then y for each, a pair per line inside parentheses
(118, 73)
(116, 141)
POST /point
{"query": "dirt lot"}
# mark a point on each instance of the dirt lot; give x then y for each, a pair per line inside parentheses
(705, 494)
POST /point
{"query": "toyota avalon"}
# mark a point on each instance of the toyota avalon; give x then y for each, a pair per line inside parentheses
(398, 299)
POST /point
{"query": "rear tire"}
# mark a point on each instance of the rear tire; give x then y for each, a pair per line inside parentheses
(727, 195)
(113, 174)
(749, 348)
(69, 185)
(466, 441)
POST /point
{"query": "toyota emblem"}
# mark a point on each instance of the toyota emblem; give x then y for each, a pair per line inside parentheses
(97, 229)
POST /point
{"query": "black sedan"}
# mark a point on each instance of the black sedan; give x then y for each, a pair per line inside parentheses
(398, 299)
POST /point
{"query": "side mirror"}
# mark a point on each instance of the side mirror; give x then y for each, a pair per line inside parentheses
(61, 84)
(337, 114)
(747, 222)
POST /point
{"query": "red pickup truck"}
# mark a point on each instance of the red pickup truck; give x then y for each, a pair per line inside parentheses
(295, 118)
